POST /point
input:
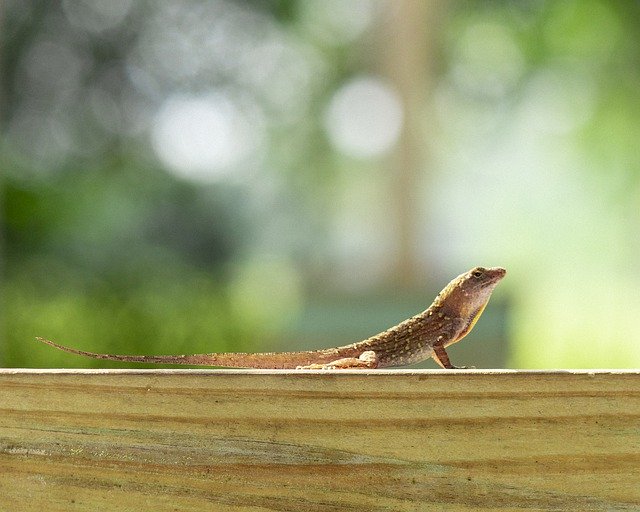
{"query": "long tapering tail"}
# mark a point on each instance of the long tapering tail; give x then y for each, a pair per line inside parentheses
(265, 360)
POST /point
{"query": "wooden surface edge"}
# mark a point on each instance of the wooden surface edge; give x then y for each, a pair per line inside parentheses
(246, 371)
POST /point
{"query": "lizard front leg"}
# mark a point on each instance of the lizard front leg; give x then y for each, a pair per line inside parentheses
(441, 357)
(368, 359)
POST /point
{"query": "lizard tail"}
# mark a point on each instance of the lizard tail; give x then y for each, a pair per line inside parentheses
(265, 360)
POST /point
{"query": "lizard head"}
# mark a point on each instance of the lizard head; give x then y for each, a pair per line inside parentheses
(480, 278)
(468, 294)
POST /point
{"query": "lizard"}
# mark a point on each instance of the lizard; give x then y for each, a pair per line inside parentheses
(450, 318)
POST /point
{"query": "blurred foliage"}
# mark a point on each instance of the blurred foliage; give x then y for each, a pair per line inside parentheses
(105, 248)
(126, 230)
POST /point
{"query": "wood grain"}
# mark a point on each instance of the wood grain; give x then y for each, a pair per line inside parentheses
(192, 440)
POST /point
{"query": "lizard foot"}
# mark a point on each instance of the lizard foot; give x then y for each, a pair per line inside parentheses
(367, 359)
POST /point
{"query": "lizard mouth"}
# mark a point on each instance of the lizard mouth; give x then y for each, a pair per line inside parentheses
(496, 273)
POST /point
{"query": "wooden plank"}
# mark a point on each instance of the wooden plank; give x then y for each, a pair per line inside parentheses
(294, 440)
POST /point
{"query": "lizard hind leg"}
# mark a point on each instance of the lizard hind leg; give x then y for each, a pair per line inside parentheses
(368, 359)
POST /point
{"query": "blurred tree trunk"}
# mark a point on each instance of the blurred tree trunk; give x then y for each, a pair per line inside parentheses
(408, 41)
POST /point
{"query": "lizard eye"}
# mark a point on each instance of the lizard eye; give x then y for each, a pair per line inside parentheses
(477, 274)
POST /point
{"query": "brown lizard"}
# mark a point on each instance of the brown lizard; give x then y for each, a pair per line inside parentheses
(452, 315)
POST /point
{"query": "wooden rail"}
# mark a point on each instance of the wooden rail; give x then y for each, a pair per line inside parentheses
(195, 440)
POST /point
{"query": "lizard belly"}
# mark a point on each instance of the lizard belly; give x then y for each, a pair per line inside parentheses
(403, 356)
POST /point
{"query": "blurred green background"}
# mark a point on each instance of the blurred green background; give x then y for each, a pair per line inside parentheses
(196, 176)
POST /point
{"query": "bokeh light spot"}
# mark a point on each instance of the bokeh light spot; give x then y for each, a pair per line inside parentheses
(364, 118)
(204, 138)
(488, 60)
